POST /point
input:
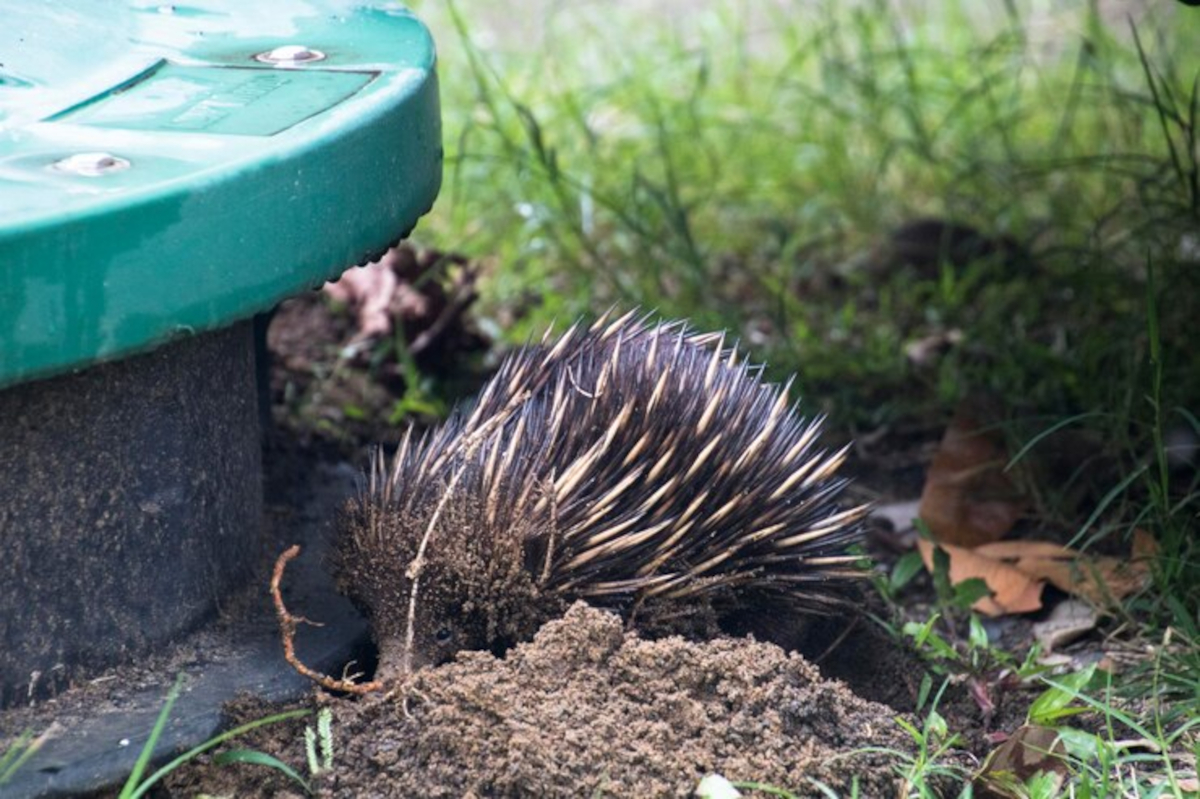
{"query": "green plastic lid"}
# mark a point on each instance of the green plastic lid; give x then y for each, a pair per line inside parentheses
(167, 169)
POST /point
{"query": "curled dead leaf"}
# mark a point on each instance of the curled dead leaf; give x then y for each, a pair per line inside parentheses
(368, 291)
(1013, 591)
(968, 499)
(1101, 580)
(1029, 751)
(1016, 571)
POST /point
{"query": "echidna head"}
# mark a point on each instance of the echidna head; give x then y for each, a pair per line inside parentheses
(433, 584)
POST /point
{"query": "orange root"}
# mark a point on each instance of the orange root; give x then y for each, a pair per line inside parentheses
(287, 631)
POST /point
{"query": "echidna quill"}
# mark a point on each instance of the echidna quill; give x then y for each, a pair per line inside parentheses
(633, 465)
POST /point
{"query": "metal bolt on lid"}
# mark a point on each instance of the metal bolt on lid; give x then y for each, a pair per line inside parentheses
(91, 165)
(290, 54)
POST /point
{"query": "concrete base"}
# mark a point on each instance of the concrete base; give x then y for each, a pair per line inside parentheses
(94, 731)
(132, 495)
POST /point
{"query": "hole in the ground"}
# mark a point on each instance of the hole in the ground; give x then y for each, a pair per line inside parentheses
(849, 648)
(873, 664)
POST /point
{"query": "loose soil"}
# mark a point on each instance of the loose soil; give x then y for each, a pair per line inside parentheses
(589, 709)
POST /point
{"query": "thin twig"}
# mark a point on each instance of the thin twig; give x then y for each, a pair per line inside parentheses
(417, 565)
(287, 630)
(464, 297)
(837, 641)
(553, 497)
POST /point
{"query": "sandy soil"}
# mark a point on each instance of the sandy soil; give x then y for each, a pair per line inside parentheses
(588, 709)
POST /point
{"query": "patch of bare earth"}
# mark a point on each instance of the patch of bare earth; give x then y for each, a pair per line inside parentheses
(587, 709)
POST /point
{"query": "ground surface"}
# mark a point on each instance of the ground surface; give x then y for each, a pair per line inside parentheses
(587, 709)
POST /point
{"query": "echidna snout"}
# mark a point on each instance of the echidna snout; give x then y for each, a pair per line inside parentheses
(469, 590)
(642, 467)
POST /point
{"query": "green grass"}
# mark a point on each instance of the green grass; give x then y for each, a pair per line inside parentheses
(137, 785)
(737, 168)
(722, 176)
(17, 752)
(740, 164)
(740, 179)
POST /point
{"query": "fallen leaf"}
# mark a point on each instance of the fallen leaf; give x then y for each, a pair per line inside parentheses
(368, 291)
(1099, 580)
(1013, 591)
(1069, 620)
(967, 498)
(1145, 546)
(980, 692)
(1028, 752)
(929, 350)
(1024, 548)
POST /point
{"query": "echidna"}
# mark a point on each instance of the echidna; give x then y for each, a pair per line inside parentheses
(634, 465)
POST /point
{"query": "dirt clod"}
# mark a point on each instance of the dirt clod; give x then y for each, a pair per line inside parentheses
(587, 709)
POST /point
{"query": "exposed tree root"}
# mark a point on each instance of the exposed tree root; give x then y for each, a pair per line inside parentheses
(287, 630)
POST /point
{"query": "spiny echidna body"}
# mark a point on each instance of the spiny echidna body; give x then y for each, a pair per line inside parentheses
(633, 465)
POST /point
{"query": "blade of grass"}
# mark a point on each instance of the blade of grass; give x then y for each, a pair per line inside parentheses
(214, 742)
(23, 748)
(256, 758)
(130, 789)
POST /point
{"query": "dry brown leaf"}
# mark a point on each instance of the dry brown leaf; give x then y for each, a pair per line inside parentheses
(1145, 546)
(1099, 580)
(368, 291)
(1028, 751)
(1012, 590)
(967, 499)
(1024, 548)
(1015, 571)
(1068, 621)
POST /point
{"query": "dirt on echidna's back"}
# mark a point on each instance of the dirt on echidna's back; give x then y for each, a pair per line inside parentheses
(588, 710)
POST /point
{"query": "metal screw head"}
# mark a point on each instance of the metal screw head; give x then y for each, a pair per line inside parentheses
(290, 54)
(91, 165)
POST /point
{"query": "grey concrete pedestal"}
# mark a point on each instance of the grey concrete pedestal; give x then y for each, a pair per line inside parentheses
(130, 502)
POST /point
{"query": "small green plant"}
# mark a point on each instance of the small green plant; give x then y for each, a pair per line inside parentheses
(1134, 756)
(253, 757)
(18, 752)
(135, 787)
(925, 773)
(318, 750)
(769, 790)
(1056, 702)
(419, 398)
(318, 744)
(936, 639)
(933, 739)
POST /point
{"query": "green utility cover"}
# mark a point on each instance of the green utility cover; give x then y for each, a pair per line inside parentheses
(166, 169)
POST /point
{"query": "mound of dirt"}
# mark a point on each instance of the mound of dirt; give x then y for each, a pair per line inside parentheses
(587, 709)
